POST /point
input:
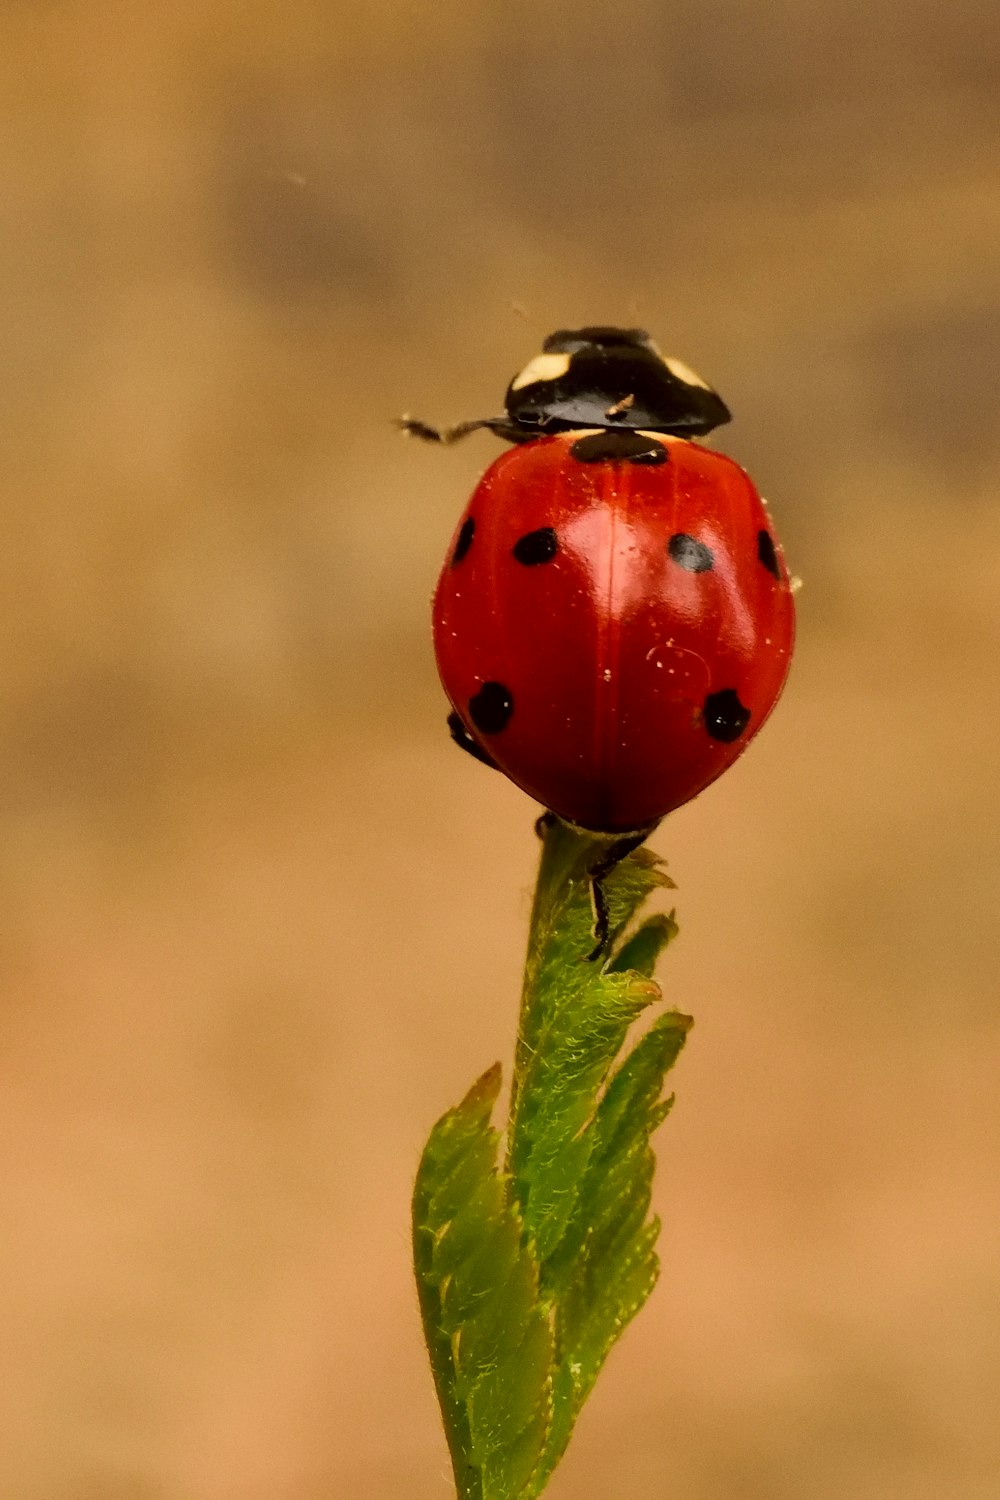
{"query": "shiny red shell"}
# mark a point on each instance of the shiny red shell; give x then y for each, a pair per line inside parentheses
(629, 662)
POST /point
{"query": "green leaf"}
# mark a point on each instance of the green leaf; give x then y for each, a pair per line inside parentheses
(606, 1264)
(642, 950)
(578, 1151)
(528, 1277)
(574, 1019)
(487, 1331)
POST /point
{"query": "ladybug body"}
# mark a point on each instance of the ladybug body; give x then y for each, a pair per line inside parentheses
(614, 620)
(607, 630)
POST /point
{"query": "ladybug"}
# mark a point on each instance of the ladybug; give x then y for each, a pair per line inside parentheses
(614, 619)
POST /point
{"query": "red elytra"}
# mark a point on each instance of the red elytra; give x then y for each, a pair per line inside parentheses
(613, 633)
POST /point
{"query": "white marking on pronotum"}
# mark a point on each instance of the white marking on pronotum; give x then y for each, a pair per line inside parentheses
(542, 367)
(684, 372)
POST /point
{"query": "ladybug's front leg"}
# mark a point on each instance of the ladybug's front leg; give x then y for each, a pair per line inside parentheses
(596, 874)
(463, 739)
(500, 425)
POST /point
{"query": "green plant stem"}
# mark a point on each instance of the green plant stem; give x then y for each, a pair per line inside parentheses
(564, 850)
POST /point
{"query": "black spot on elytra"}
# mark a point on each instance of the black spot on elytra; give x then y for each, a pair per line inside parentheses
(536, 547)
(464, 542)
(767, 553)
(725, 716)
(611, 445)
(687, 552)
(490, 709)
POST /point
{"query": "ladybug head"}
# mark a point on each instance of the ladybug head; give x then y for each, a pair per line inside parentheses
(610, 377)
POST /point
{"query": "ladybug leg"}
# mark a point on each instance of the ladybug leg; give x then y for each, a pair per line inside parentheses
(418, 429)
(415, 428)
(463, 739)
(612, 856)
(543, 824)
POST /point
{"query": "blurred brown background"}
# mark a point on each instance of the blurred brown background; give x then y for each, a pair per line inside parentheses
(262, 923)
